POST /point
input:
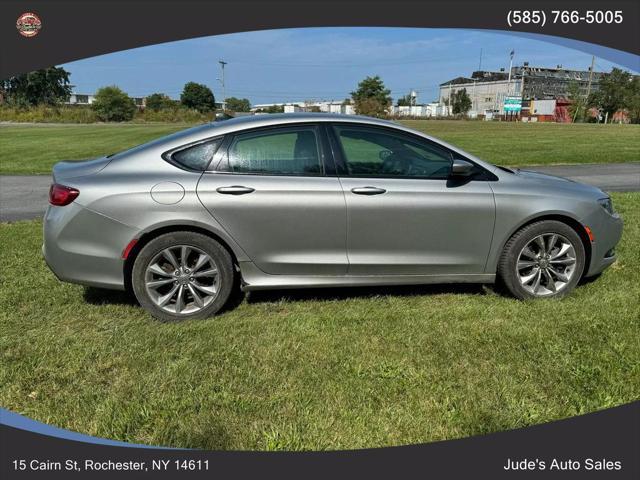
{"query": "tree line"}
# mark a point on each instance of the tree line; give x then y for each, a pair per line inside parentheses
(617, 91)
(51, 87)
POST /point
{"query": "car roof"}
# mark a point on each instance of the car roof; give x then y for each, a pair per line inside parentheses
(245, 122)
(224, 127)
(266, 119)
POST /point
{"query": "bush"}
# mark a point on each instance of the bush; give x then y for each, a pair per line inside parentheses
(113, 105)
(49, 114)
(172, 115)
(234, 104)
(85, 114)
(159, 101)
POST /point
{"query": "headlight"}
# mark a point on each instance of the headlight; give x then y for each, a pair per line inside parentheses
(607, 204)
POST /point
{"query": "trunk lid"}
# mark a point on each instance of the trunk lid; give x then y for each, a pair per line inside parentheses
(78, 168)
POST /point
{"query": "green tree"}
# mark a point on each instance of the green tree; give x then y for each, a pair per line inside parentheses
(272, 109)
(404, 101)
(48, 86)
(460, 102)
(238, 104)
(632, 100)
(159, 101)
(372, 97)
(198, 96)
(113, 105)
(614, 91)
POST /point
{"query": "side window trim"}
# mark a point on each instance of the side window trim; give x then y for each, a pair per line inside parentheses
(220, 155)
(336, 150)
(328, 151)
(168, 155)
(223, 165)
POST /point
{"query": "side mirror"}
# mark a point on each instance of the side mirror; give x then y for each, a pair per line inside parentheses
(461, 168)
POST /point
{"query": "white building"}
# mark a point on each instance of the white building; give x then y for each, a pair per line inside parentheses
(487, 95)
(309, 106)
(80, 99)
(88, 99)
(433, 109)
(408, 111)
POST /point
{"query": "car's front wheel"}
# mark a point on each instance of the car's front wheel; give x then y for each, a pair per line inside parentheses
(543, 259)
(182, 275)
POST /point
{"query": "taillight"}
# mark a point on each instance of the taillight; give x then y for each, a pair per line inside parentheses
(61, 195)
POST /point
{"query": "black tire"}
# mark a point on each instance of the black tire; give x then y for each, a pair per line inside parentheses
(507, 267)
(223, 262)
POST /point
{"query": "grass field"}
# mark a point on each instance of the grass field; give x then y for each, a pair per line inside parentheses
(315, 370)
(28, 149)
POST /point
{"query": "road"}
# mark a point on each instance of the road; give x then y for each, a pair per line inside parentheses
(612, 177)
(24, 197)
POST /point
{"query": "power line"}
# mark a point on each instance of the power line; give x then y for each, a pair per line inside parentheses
(331, 63)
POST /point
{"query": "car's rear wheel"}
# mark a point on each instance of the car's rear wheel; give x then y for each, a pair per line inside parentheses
(542, 260)
(182, 275)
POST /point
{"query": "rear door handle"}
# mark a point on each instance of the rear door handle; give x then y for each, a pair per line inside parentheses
(368, 190)
(235, 190)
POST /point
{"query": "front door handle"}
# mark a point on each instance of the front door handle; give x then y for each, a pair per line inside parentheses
(235, 190)
(368, 190)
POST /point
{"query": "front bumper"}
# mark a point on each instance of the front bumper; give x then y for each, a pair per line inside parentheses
(85, 247)
(607, 230)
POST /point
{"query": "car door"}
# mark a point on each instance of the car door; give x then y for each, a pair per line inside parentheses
(270, 192)
(405, 214)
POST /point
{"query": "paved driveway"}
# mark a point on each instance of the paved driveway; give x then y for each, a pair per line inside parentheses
(611, 177)
(25, 197)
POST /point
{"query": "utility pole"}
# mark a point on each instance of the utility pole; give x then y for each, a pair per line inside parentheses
(475, 101)
(510, 92)
(593, 63)
(224, 96)
(510, 66)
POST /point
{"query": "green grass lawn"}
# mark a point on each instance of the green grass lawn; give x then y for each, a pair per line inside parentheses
(319, 369)
(519, 144)
(28, 149)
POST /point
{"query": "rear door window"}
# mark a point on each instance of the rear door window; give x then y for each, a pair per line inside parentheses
(285, 151)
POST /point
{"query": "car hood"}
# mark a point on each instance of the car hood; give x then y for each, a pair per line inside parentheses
(79, 168)
(559, 182)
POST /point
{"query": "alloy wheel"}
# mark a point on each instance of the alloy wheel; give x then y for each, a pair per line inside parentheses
(182, 279)
(546, 264)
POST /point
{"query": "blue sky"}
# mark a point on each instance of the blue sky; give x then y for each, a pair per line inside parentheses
(317, 63)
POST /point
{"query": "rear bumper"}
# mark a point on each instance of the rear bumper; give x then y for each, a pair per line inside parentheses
(85, 247)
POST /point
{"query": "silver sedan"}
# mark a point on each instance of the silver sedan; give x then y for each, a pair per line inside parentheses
(315, 200)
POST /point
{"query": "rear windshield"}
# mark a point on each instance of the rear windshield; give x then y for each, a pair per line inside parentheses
(169, 139)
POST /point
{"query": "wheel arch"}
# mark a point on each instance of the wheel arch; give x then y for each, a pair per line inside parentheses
(155, 232)
(563, 218)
